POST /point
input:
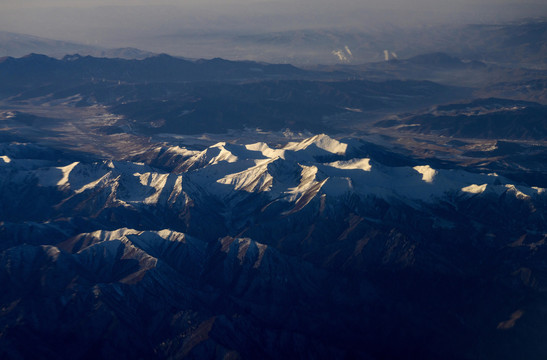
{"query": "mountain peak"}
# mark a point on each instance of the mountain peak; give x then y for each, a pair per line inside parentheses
(321, 141)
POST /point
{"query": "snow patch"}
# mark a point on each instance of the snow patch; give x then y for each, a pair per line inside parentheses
(308, 175)
(475, 189)
(66, 172)
(5, 159)
(52, 252)
(306, 190)
(154, 180)
(428, 174)
(250, 180)
(519, 194)
(266, 150)
(104, 235)
(177, 190)
(55, 176)
(172, 235)
(223, 155)
(354, 164)
(321, 141)
(177, 150)
(102, 180)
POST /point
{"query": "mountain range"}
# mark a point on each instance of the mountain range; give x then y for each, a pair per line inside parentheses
(298, 250)
(157, 207)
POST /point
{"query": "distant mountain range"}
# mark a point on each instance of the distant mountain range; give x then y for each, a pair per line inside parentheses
(77, 69)
(17, 45)
(513, 44)
(168, 94)
(518, 44)
(483, 118)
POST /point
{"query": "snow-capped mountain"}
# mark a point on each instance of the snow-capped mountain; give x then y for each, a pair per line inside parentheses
(294, 173)
(158, 207)
(234, 250)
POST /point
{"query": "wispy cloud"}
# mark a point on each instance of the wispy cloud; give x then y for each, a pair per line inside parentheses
(348, 50)
(340, 55)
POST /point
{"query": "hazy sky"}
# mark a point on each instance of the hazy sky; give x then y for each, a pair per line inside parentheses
(118, 23)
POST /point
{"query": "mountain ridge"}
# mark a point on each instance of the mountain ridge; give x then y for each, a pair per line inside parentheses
(298, 248)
